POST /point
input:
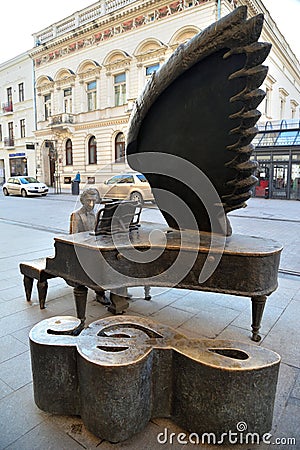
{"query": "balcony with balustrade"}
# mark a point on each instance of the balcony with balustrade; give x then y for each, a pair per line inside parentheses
(9, 142)
(61, 121)
(7, 108)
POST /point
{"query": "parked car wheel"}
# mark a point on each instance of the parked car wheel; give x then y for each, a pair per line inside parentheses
(23, 193)
(5, 192)
(136, 197)
(44, 195)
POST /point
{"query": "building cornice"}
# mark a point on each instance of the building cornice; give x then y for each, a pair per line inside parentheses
(89, 74)
(283, 92)
(46, 132)
(65, 82)
(102, 123)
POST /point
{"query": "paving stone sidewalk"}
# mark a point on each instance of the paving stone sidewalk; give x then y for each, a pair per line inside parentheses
(23, 426)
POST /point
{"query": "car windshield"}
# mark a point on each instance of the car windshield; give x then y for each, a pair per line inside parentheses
(26, 180)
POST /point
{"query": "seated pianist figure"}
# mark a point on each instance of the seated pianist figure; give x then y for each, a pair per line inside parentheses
(83, 219)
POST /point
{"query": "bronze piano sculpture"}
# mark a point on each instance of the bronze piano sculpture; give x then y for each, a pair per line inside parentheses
(248, 266)
(190, 134)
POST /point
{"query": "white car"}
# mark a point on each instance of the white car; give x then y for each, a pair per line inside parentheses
(126, 186)
(24, 186)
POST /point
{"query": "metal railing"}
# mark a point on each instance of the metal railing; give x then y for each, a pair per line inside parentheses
(9, 142)
(60, 119)
(278, 133)
(7, 107)
(276, 125)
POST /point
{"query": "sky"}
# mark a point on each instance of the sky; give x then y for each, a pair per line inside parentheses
(22, 18)
(286, 14)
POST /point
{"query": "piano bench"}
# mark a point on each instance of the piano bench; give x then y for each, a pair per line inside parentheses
(35, 270)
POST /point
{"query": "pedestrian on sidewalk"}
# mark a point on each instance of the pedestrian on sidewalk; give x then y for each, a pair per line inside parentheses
(77, 177)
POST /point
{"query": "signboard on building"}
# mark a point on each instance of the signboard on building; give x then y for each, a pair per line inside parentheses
(12, 155)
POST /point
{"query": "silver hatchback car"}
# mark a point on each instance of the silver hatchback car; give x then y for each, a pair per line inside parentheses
(24, 186)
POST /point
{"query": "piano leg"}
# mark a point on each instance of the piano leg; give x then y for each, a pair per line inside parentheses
(119, 303)
(258, 304)
(80, 296)
(28, 283)
(42, 287)
(147, 292)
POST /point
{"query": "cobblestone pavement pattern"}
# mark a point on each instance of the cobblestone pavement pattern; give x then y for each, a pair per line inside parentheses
(27, 228)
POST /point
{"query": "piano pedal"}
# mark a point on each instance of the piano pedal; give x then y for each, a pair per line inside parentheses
(103, 299)
(119, 303)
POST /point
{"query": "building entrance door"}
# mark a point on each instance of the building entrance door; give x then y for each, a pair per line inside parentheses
(279, 187)
(52, 170)
(295, 181)
(52, 154)
(263, 175)
(2, 171)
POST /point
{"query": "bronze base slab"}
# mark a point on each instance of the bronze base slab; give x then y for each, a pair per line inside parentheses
(120, 372)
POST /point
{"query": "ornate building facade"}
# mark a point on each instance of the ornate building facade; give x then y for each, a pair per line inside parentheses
(91, 66)
(17, 124)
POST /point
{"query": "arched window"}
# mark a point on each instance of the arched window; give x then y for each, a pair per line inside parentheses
(92, 150)
(69, 153)
(120, 148)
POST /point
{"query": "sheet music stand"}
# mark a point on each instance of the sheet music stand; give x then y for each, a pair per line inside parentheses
(117, 217)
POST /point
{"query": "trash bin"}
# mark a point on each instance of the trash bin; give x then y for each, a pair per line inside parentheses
(267, 192)
(75, 187)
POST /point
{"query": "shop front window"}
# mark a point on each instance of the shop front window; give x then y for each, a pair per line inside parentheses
(263, 176)
(280, 180)
(18, 166)
(281, 157)
(295, 181)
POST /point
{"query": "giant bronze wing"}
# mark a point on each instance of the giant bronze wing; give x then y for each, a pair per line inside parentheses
(200, 106)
